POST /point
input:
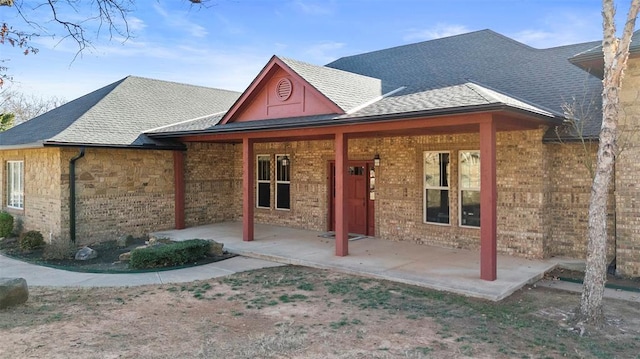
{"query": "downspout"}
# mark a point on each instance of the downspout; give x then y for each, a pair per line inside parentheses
(72, 194)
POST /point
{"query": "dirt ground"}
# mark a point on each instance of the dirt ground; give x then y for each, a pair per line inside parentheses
(295, 312)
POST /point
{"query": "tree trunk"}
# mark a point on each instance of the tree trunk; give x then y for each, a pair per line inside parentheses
(616, 53)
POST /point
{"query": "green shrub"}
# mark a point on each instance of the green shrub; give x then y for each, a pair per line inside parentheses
(31, 240)
(172, 254)
(6, 224)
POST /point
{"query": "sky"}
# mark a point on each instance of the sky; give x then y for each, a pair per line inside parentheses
(226, 43)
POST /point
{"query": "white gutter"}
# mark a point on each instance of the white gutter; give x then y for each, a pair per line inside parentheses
(38, 144)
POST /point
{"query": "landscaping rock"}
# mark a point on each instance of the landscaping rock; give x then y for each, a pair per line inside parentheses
(124, 241)
(215, 248)
(125, 257)
(13, 291)
(85, 253)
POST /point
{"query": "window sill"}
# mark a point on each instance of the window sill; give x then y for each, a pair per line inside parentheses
(439, 224)
(467, 226)
(14, 210)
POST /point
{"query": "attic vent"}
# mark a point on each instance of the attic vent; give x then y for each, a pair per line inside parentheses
(283, 89)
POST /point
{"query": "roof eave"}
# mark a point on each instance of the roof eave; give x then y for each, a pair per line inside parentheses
(171, 147)
(22, 146)
(551, 119)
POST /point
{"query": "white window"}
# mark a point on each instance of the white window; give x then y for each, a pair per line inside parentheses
(15, 184)
(263, 195)
(283, 184)
(469, 188)
(436, 187)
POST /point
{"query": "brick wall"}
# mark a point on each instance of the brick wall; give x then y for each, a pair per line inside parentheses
(41, 189)
(308, 188)
(521, 195)
(627, 176)
(213, 183)
(118, 191)
(214, 190)
(569, 193)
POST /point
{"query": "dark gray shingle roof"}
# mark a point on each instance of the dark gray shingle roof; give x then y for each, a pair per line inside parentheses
(117, 114)
(461, 72)
(543, 78)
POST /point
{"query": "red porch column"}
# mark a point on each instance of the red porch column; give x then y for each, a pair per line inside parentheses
(488, 200)
(178, 187)
(342, 223)
(247, 189)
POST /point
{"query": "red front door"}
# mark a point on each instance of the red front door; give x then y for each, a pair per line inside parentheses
(357, 198)
(359, 205)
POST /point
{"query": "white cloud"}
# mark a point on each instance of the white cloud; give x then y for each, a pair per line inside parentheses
(323, 52)
(435, 32)
(561, 28)
(135, 23)
(179, 21)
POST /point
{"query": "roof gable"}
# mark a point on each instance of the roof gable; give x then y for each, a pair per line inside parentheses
(287, 88)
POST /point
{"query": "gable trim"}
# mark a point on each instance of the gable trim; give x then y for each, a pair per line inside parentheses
(251, 91)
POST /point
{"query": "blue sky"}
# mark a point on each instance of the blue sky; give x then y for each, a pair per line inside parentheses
(228, 42)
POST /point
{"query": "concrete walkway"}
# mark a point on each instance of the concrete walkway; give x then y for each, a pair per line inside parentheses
(43, 276)
(452, 270)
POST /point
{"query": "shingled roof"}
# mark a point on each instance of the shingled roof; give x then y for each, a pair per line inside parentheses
(118, 114)
(462, 73)
(348, 90)
(543, 78)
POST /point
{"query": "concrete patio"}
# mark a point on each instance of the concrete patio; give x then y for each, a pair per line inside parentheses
(452, 270)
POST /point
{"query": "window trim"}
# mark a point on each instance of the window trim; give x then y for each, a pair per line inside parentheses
(259, 181)
(278, 181)
(426, 187)
(10, 184)
(460, 186)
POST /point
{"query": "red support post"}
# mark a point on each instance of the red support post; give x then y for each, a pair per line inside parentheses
(178, 184)
(488, 200)
(342, 223)
(247, 189)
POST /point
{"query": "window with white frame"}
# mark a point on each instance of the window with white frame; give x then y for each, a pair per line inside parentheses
(436, 187)
(469, 168)
(283, 184)
(263, 193)
(15, 184)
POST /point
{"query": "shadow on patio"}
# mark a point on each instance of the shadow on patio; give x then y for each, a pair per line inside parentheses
(452, 270)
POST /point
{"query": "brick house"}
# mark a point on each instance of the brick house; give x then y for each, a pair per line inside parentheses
(124, 180)
(461, 142)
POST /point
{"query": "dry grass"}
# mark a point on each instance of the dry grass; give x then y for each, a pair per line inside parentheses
(293, 312)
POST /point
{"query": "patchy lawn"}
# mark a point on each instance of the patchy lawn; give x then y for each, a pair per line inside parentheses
(295, 312)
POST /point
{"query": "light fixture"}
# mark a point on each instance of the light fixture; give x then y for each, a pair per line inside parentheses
(376, 160)
(285, 161)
